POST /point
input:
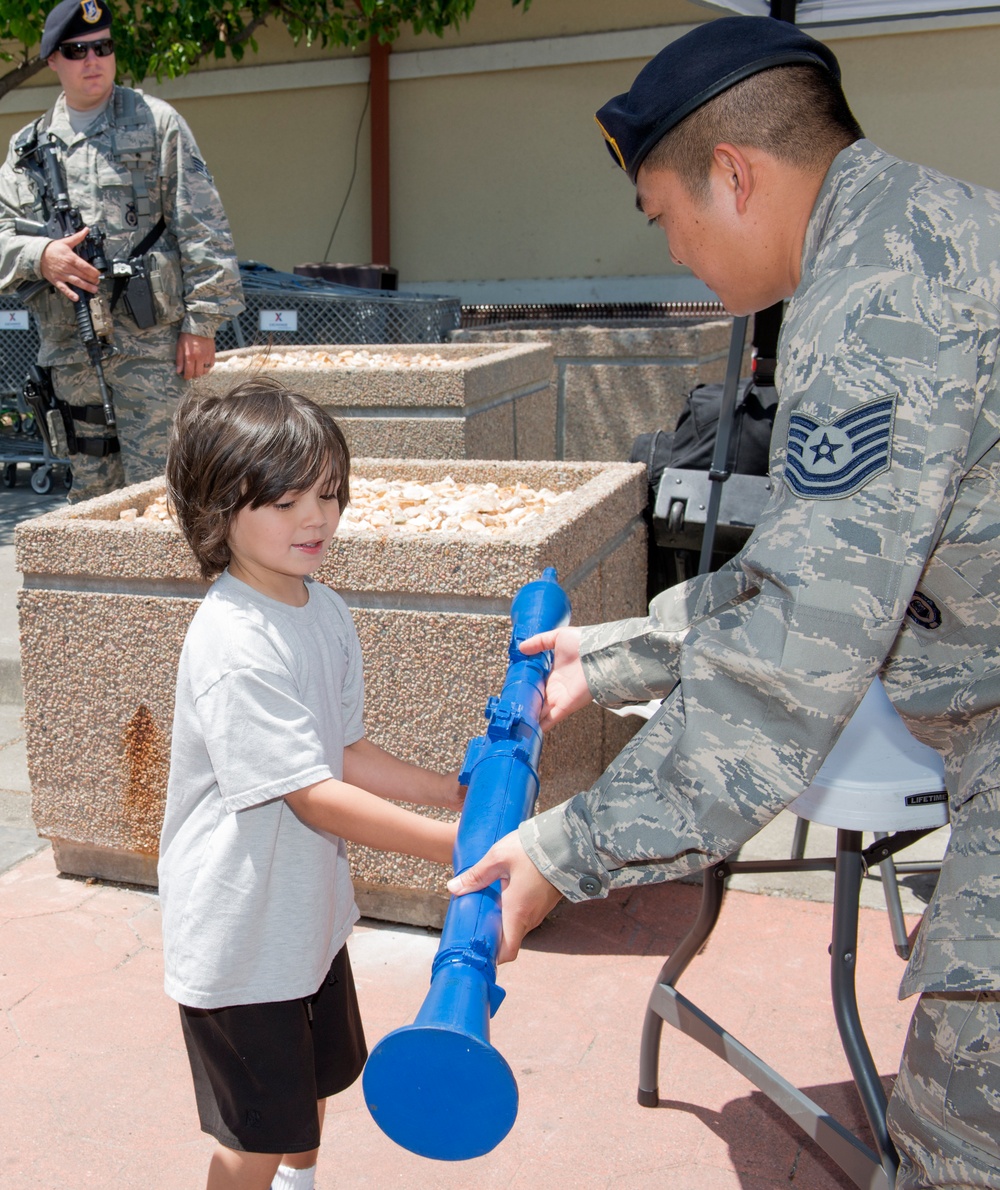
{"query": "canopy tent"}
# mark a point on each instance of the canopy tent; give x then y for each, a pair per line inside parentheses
(842, 12)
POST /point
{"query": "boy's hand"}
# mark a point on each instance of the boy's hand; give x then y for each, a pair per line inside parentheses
(566, 690)
(374, 769)
(451, 794)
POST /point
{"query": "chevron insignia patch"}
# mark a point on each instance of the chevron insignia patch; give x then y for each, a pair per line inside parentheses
(831, 460)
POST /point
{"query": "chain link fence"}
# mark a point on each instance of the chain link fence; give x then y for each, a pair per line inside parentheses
(18, 345)
(289, 309)
(281, 309)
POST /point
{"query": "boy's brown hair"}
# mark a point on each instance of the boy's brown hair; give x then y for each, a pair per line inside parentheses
(246, 448)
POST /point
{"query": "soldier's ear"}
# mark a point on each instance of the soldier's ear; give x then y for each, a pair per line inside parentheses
(735, 170)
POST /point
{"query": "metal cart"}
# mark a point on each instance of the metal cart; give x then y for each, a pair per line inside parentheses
(21, 441)
(22, 444)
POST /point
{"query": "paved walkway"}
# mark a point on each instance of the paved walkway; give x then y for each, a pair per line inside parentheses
(17, 835)
(95, 1092)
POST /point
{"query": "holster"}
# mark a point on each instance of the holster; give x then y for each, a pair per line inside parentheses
(132, 283)
(138, 295)
(56, 419)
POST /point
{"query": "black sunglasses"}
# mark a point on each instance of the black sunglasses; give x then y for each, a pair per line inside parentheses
(76, 51)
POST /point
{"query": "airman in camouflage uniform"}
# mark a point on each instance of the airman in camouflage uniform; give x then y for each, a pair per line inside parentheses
(135, 172)
(877, 554)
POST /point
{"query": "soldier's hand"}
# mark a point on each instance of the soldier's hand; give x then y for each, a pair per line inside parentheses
(195, 355)
(62, 268)
(566, 690)
(525, 895)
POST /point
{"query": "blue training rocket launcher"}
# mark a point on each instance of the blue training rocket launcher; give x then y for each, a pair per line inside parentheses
(437, 1087)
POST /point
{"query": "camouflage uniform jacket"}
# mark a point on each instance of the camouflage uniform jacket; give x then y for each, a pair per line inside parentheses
(877, 553)
(137, 162)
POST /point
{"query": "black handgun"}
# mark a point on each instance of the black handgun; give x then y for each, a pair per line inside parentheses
(53, 417)
(132, 278)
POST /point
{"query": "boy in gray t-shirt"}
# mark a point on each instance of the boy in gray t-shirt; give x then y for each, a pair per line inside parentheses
(270, 774)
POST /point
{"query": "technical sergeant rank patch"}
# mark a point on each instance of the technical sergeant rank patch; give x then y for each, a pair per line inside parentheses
(831, 460)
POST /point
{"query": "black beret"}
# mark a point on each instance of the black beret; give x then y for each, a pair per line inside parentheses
(694, 69)
(73, 18)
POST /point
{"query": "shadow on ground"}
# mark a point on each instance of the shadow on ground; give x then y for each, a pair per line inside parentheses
(650, 920)
(754, 1114)
(19, 503)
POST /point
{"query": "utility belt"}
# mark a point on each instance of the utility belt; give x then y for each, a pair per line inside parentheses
(57, 419)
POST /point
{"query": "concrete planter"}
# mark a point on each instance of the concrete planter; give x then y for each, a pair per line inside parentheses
(490, 401)
(616, 380)
(105, 606)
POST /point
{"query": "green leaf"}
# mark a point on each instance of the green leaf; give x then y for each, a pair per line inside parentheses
(169, 37)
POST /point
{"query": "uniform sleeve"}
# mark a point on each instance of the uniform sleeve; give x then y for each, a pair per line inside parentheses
(195, 216)
(883, 380)
(262, 741)
(20, 256)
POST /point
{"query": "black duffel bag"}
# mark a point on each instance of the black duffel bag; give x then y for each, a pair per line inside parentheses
(691, 446)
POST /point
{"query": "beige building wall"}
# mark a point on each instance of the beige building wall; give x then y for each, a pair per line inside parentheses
(501, 188)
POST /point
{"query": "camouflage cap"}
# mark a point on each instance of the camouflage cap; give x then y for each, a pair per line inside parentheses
(694, 69)
(73, 18)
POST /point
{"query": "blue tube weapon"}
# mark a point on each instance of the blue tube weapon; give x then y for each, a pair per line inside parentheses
(437, 1087)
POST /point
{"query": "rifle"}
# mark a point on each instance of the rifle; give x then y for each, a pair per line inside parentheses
(62, 219)
(438, 1087)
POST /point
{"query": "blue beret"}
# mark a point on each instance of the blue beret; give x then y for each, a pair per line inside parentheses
(70, 19)
(694, 69)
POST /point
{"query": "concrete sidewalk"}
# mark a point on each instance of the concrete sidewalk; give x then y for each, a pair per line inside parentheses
(16, 504)
(95, 1089)
(17, 835)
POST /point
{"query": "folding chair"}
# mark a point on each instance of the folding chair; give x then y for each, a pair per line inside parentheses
(877, 778)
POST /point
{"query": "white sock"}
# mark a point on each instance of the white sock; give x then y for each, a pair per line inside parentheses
(294, 1179)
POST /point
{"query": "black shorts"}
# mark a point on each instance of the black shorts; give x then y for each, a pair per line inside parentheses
(260, 1068)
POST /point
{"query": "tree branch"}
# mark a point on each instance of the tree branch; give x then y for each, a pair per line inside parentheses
(20, 74)
(248, 30)
(163, 38)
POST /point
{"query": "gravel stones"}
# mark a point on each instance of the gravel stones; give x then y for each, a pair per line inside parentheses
(349, 357)
(383, 505)
(449, 401)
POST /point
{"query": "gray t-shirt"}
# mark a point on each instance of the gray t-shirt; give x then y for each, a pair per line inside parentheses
(255, 903)
(81, 121)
